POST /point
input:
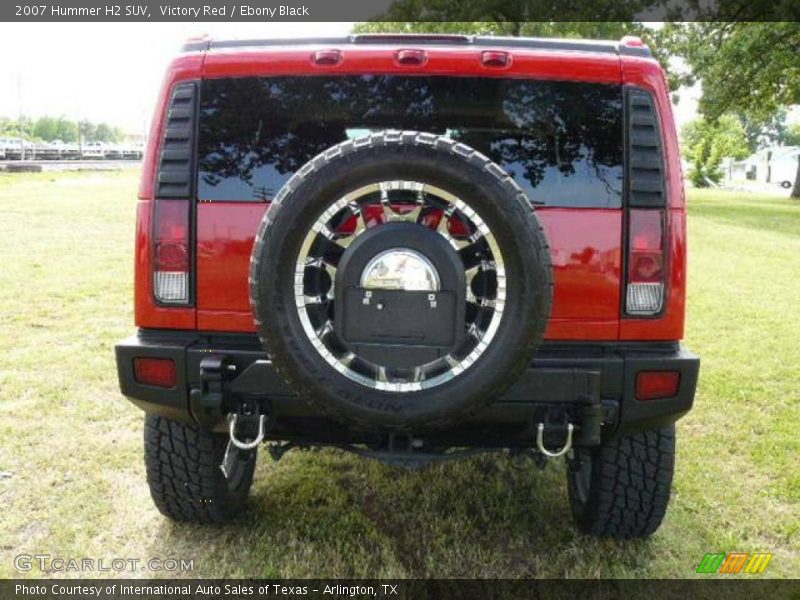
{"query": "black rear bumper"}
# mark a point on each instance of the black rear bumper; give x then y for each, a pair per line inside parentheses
(578, 382)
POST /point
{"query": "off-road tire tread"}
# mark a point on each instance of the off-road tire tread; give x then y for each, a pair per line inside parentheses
(631, 485)
(522, 208)
(183, 472)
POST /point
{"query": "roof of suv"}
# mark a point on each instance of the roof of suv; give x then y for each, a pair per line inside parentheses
(628, 45)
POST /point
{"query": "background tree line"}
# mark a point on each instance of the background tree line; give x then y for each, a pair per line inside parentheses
(49, 128)
(749, 70)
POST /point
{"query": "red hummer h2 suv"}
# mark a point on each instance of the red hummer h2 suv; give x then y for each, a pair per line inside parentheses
(412, 248)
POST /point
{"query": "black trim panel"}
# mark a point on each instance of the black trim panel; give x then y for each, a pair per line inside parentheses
(646, 186)
(176, 163)
(563, 377)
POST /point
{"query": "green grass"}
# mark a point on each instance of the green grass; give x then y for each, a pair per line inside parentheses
(72, 445)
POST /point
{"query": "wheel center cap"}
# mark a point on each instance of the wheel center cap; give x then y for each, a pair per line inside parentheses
(400, 269)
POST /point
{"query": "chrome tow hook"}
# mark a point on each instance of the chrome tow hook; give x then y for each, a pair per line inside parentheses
(540, 441)
(232, 418)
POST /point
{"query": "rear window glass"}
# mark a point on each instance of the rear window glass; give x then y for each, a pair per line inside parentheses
(561, 141)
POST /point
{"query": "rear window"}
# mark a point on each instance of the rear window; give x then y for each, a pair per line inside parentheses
(561, 141)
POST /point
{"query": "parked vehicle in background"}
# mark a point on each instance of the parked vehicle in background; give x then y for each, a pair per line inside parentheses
(784, 168)
(16, 148)
(65, 151)
(93, 151)
(412, 248)
(113, 152)
(132, 151)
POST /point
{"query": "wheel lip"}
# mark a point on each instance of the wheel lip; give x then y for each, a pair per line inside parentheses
(320, 227)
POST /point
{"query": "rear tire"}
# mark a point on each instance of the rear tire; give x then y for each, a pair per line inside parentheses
(184, 474)
(621, 490)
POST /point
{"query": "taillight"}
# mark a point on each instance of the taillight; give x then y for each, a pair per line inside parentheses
(645, 294)
(171, 252)
(652, 385)
(155, 371)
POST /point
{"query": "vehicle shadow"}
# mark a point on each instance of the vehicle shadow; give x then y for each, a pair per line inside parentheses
(327, 514)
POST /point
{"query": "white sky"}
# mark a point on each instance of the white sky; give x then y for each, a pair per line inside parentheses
(112, 71)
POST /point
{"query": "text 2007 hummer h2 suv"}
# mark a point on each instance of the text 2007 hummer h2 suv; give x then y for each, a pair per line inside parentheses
(412, 247)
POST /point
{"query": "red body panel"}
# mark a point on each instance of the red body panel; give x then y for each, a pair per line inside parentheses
(586, 244)
(440, 61)
(585, 251)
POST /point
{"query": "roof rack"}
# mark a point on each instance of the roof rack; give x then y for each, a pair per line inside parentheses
(629, 45)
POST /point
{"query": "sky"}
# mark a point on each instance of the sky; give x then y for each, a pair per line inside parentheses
(112, 71)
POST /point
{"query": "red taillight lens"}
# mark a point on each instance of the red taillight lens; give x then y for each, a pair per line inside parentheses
(646, 246)
(155, 371)
(171, 252)
(652, 385)
(645, 262)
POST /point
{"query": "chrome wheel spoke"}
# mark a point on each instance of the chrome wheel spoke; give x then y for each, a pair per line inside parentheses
(443, 229)
(361, 225)
(409, 202)
(411, 215)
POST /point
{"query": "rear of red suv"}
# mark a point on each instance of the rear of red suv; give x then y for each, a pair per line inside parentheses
(412, 248)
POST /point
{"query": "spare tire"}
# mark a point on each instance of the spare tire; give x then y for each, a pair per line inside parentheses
(400, 281)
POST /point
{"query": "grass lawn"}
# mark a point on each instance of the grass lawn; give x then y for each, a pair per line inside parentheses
(73, 483)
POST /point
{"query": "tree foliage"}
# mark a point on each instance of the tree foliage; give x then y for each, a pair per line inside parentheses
(750, 68)
(48, 129)
(765, 132)
(418, 17)
(705, 143)
(792, 135)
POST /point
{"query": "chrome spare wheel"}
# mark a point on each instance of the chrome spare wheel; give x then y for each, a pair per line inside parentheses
(400, 286)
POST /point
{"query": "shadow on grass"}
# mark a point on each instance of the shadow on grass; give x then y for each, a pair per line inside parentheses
(323, 514)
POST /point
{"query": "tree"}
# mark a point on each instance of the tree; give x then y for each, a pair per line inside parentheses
(49, 128)
(45, 128)
(761, 133)
(66, 130)
(705, 143)
(87, 130)
(792, 136)
(598, 30)
(511, 19)
(106, 133)
(749, 68)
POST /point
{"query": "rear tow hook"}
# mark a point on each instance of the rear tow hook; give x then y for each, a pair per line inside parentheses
(540, 442)
(233, 418)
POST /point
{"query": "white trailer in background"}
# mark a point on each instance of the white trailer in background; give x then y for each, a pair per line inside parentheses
(783, 169)
(776, 165)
